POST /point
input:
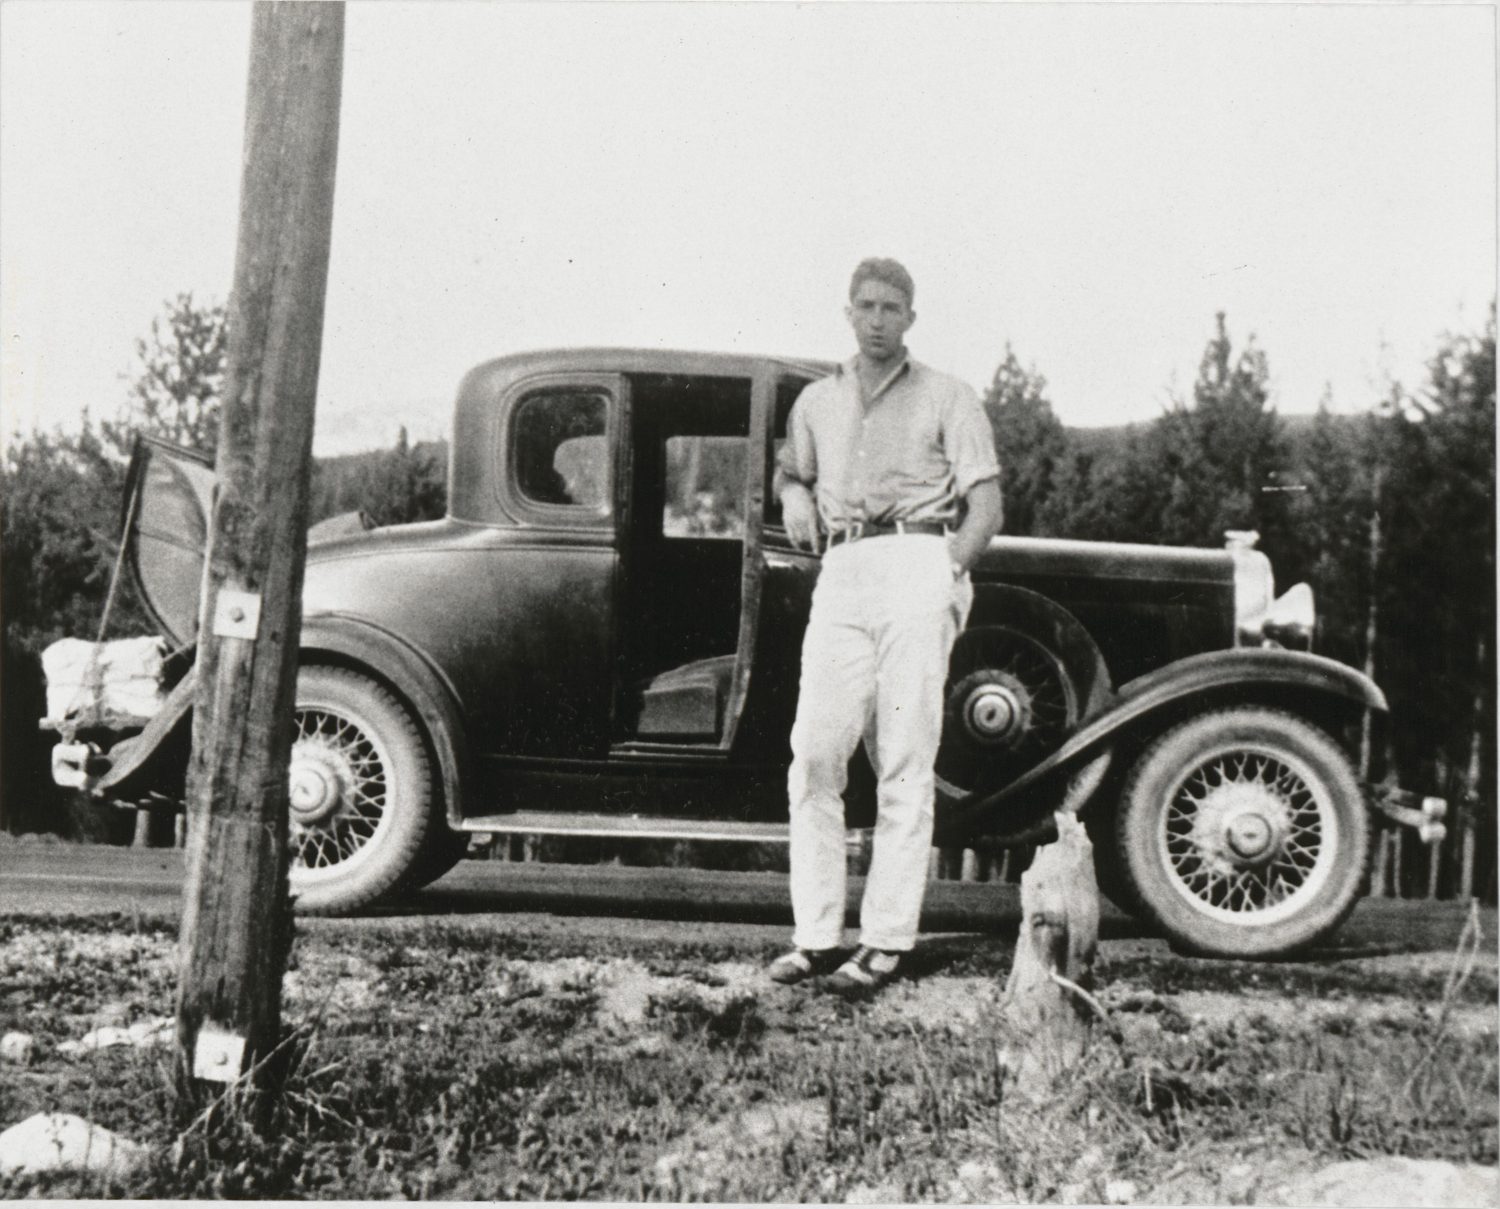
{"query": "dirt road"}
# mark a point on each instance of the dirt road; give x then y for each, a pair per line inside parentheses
(54, 879)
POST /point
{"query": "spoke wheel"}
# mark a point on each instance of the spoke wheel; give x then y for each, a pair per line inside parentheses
(359, 792)
(1009, 703)
(1244, 832)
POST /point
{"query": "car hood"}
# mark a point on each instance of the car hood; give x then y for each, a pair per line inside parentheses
(1022, 558)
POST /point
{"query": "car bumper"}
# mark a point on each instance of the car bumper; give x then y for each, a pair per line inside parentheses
(1409, 809)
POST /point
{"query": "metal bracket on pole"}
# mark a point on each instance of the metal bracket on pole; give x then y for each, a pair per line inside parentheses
(218, 1055)
(237, 614)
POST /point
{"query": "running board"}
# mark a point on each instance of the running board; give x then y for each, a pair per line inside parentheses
(628, 826)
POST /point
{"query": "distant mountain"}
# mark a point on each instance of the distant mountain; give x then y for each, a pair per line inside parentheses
(1298, 427)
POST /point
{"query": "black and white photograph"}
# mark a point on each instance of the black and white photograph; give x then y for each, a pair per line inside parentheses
(751, 601)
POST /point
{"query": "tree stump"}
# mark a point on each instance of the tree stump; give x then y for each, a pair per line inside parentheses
(1047, 1004)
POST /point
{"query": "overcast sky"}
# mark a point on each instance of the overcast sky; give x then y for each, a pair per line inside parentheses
(1088, 182)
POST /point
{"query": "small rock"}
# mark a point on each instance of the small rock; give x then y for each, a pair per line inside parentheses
(116, 1011)
(977, 1183)
(59, 1141)
(144, 1033)
(1237, 1183)
(1120, 1192)
(17, 1048)
(879, 1194)
(1391, 1182)
(974, 1172)
(625, 996)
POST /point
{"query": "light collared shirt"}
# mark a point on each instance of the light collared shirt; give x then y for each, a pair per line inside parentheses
(909, 453)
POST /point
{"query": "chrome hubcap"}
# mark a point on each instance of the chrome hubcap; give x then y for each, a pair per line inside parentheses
(1249, 835)
(1009, 702)
(338, 789)
(997, 709)
(1240, 825)
(317, 788)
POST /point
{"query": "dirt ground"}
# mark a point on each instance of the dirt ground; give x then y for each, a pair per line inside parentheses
(447, 1058)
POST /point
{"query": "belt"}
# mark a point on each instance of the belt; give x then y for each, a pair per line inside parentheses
(855, 530)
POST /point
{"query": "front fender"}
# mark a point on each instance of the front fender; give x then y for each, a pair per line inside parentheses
(1249, 666)
(360, 643)
(1242, 669)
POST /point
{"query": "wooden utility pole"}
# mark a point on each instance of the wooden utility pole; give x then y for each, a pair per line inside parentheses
(235, 920)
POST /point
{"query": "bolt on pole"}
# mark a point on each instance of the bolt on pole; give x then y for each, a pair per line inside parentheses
(236, 919)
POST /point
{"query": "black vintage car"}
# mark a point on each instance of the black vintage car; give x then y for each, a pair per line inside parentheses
(602, 638)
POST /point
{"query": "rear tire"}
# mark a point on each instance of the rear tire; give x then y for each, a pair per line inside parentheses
(1244, 833)
(445, 848)
(361, 813)
(1109, 864)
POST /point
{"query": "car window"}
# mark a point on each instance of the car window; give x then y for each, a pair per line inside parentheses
(705, 487)
(561, 450)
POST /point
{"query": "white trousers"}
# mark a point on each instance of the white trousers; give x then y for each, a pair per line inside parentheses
(885, 612)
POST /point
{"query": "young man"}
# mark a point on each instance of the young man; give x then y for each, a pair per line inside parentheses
(895, 464)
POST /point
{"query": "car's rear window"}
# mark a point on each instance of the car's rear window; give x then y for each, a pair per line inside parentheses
(561, 448)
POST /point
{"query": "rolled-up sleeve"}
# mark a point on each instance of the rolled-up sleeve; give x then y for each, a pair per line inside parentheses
(968, 440)
(797, 459)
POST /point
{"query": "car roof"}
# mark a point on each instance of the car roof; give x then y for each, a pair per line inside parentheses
(645, 361)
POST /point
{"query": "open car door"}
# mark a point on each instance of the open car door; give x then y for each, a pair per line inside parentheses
(168, 504)
(164, 529)
(706, 677)
(691, 562)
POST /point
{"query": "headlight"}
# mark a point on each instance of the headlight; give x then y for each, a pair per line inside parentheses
(1254, 585)
(1290, 619)
(1287, 622)
(1261, 618)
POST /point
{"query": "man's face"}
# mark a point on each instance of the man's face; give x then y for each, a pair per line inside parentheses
(880, 315)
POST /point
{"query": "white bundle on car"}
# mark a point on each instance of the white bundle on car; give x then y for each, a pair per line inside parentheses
(124, 678)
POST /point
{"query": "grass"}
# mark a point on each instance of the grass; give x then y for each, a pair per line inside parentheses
(450, 1062)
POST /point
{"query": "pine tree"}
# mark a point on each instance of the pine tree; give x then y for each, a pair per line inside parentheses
(177, 381)
(1223, 457)
(1438, 578)
(1029, 441)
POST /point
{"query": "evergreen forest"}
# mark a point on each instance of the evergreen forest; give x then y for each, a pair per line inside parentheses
(1386, 506)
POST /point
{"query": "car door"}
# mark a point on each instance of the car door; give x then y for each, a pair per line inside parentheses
(783, 595)
(541, 599)
(682, 583)
(168, 503)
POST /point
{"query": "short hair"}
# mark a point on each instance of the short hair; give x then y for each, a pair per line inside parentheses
(887, 271)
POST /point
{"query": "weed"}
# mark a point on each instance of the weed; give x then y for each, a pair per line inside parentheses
(446, 1062)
